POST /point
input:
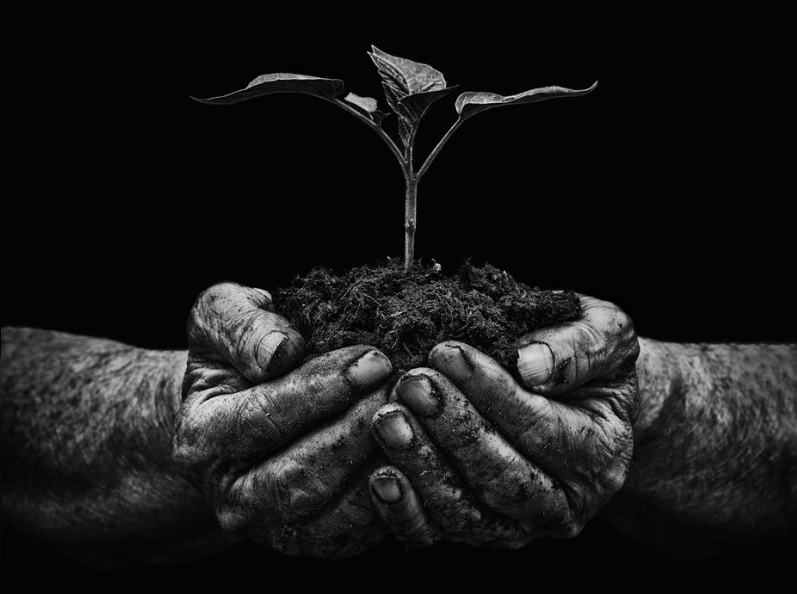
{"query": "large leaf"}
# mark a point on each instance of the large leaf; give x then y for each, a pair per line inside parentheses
(471, 103)
(402, 77)
(413, 107)
(281, 82)
(410, 88)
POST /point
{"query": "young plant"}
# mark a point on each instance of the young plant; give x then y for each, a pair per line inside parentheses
(410, 89)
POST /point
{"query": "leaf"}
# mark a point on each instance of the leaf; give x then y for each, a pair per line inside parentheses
(281, 82)
(413, 107)
(368, 105)
(471, 103)
(402, 77)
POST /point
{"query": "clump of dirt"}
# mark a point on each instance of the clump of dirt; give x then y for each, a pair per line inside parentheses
(405, 314)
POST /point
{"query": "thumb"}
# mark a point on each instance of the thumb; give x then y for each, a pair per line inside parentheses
(557, 359)
(238, 325)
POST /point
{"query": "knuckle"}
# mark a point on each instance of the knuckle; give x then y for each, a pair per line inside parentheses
(205, 306)
(189, 449)
(511, 491)
(258, 426)
(293, 489)
(234, 520)
(217, 291)
(570, 529)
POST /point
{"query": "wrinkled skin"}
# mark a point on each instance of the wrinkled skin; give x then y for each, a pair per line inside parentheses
(281, 450)
(481, 459)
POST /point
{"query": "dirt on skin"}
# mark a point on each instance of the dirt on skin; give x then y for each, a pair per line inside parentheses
(405, 314)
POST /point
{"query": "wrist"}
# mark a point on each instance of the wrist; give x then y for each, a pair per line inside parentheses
(660, 374)
(714, 452)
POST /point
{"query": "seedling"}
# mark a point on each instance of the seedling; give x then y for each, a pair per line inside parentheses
(410, 89)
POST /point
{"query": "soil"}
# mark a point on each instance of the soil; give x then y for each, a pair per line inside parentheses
(405, 314)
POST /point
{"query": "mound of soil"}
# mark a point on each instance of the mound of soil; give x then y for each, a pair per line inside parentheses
(405, 314)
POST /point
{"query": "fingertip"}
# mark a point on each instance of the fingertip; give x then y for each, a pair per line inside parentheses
(385, 483)
(392, 427)
(284, 350)
(401, 509)
(450, 359)
(416, 390)
(535, 364)
(369, 370)
(266, 294)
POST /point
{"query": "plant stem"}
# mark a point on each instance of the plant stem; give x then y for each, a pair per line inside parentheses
(375, 127)
(411, 178)
(410, 209)
(439, 146)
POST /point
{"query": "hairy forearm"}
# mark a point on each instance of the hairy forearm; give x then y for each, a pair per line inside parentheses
(715, 461)
(86, 449)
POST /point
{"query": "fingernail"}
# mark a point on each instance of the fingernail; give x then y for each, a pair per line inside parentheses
(535, 363)
(387, 488)
(395, 430)
(369, 370)
(456, 365)
(419, 394)
(268, 347)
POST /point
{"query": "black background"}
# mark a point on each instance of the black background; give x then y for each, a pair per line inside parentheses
(665, 190)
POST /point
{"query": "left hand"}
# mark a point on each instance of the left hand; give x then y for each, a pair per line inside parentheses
(480, 459)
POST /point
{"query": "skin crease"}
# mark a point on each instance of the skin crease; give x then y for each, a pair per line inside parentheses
(80, 487)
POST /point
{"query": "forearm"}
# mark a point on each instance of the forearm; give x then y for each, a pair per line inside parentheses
(715, 461)
(86, 449)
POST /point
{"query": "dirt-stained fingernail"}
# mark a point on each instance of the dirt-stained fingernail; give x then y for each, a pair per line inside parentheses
(387, 488)
(268, 347)
(535, 363)
(395, 430)
(452, 361)
(418, 393)
(369, 370)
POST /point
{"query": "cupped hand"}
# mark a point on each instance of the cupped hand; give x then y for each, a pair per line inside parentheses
(478, 457)
(281, 449)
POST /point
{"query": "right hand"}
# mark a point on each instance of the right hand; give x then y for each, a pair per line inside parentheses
(281, 453)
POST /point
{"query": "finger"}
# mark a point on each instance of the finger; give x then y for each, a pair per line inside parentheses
(302, 478)
(557, 359)
(492, 468)
(238, 325)
(245, 425)
(447, 498)
(571, 443)
(401, 509)
(346, 526)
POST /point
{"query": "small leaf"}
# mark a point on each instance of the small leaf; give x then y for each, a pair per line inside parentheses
(281, 82)
(402, 77)
(367, 104)
(471, 103)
